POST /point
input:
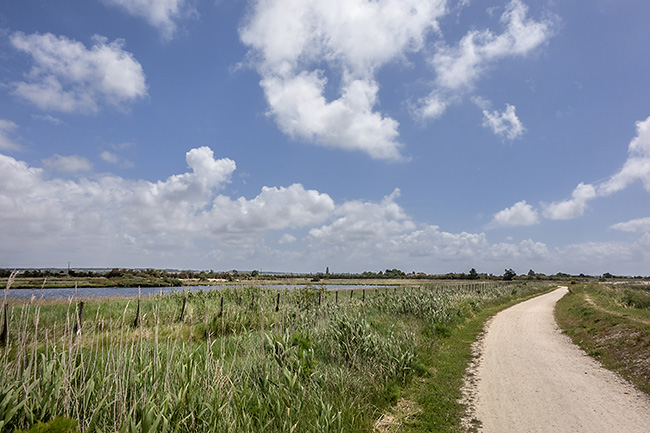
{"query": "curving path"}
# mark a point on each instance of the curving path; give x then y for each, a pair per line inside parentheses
(531, 378)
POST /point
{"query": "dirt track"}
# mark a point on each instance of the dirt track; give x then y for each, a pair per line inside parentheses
(531, 378)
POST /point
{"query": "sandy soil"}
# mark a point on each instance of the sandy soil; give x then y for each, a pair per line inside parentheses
(530, 377)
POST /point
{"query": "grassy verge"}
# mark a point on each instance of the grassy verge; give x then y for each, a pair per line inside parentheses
(612, 324)
(433, 403)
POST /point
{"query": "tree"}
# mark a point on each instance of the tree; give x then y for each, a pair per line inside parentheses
(255, 273)
(473, 275)
(509, 274)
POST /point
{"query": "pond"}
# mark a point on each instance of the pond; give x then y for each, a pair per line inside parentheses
(107, 292)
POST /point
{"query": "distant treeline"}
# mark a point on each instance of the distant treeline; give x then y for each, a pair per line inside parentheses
(234, 275)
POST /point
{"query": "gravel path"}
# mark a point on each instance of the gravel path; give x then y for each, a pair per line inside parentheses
(531, 378)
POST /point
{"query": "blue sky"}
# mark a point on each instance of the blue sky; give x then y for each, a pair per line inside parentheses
(295, 135)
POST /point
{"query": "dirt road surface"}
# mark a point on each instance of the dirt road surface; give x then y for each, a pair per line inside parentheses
(532, 378)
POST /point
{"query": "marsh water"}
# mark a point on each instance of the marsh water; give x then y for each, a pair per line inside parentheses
(107, 292)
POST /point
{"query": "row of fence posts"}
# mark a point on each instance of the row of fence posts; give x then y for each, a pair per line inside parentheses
(136, 321)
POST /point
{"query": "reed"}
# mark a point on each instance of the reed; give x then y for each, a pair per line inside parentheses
(238, 360)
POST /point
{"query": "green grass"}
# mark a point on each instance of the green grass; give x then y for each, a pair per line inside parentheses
(612, 324)
(314, 365)
(439, 394)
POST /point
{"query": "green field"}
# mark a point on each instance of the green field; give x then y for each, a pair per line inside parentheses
(324, 361)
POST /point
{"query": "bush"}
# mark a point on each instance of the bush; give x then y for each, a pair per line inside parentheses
(636, 299)
(57, 425)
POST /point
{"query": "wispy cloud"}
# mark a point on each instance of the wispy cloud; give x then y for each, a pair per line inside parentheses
(7, 127)
(162, 14)
(640, 225)
(67, 164)
(459, 67)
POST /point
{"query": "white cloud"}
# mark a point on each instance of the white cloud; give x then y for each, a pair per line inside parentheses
(640, 225)
(637, 166)
(68, 164)
(430, 107)
(460, 66)
(520, 214)
(67, 76)
(622, 258)
(109, 157)
(162, 14)
(505, 123)
(291, 43)
(138, 218)
(7, 127)
(47, 118)
(112, 158)
(573, 208)
(187, 220)
(301, 110)
(287, 239)
(363, 224)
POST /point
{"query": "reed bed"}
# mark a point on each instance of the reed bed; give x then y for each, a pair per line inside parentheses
(230, 360)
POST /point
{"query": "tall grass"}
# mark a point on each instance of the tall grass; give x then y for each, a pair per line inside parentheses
(316, 364)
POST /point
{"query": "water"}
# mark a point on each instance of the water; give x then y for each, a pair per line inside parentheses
(107, 292)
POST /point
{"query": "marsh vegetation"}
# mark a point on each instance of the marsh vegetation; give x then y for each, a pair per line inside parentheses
(232, 360)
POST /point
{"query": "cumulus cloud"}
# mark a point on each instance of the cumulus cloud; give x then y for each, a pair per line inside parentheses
(573, 208)
(640, 225)
(319, 63)
(520, 214)
(162, 14)
(637, 166)
(67, 76)
(7, 127)
(295, 44)
(139, 216)
(505, 124)
(67, 164)
(187, 220)
(364, 224)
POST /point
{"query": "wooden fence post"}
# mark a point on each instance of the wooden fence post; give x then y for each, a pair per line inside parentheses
(137, 312)
(221, 310)
(336, 298)
(180, 319)
(351, 292)
(277, 303)
(252, 300)
(363, 295)
(5, 326)
(319, 295)
(77, 326)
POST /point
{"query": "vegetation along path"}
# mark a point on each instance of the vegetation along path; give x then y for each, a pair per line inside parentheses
(531, 378)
